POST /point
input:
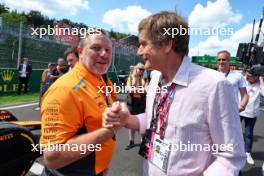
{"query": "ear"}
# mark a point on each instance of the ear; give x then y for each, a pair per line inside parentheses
(168, 46)
(79, 50)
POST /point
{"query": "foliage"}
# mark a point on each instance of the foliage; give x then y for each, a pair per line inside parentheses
(3, 8)
(36, 19)
(117, 35)
(13, 18)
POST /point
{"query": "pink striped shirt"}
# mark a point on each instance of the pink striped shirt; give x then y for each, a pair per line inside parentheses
(203, 113)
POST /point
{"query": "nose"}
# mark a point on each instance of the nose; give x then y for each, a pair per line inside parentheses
(104, 53)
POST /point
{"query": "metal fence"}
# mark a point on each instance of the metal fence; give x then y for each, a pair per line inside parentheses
(39, 51)
(44, 50)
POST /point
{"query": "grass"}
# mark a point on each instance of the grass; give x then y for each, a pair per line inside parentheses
(14, 99)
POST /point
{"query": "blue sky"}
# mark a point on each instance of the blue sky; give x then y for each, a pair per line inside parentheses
(124, 15)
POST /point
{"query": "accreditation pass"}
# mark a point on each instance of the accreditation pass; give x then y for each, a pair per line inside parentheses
(160, 153)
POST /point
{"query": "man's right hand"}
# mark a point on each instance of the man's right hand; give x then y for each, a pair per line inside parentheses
(116, 116)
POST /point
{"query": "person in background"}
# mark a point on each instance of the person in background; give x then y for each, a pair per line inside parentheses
(45, 78)
(235, 78)
(45, 82)
(146, 76)
(255, 88)
(59, 70)
(137, 97)
(72, 57)
(24, 71)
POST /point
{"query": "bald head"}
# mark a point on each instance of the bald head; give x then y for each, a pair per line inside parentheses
(89, 37)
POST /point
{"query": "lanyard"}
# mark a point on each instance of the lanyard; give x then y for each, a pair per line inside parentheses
(161, 108)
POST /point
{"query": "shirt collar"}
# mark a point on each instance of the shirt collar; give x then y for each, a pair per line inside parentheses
(182, 75)
(87, 74)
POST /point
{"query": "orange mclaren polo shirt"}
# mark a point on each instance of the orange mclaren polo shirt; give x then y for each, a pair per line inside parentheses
(72, 101)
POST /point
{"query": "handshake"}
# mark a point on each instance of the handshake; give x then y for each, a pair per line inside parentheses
(116, 116)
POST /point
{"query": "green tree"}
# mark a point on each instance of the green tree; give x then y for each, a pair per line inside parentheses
(120, 35)
(117, 35)
(3, 8)
(36, 18)
(13, 18)
(112, 33)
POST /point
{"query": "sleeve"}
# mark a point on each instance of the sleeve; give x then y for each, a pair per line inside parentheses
(60, 116)
(242, 82)
(225, 130)
(30, 69)
(143, 122)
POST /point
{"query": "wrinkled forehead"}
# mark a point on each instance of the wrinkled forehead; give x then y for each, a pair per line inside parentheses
(223, 56)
